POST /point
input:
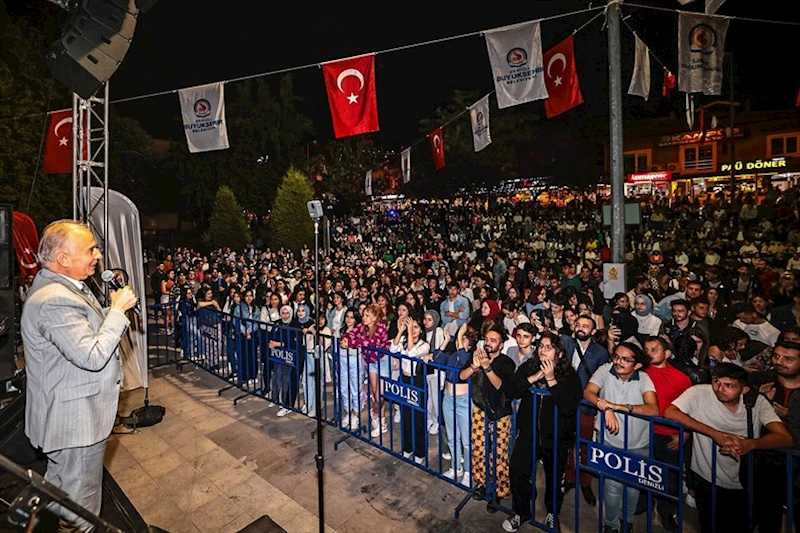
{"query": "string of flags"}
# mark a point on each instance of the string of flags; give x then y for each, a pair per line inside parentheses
(521, 71)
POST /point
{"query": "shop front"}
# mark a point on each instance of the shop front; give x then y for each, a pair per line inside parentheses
(751, 176)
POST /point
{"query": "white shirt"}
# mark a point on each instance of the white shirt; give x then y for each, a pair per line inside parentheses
(765, 332)
(702, 404)
(420, 349)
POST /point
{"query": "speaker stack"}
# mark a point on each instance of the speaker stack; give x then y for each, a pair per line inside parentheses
(94, 42)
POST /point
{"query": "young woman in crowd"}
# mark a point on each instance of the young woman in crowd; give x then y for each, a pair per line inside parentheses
(433, 335)
(371, 337)
(410, 342)
(549, 369)
(649, 324)
(286, 342)
(351, 374)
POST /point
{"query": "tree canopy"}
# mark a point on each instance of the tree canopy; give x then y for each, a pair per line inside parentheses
(227, 226)
(290, 225)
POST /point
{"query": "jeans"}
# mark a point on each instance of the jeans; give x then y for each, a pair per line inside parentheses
(434, 383)
(455, 410)
(310, 382)
(350, 377)
(613, 496)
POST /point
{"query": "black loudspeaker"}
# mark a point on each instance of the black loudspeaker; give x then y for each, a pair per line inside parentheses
(7, 315)
(93, 44)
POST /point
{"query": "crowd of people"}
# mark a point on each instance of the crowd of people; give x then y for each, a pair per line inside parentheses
(511, 294)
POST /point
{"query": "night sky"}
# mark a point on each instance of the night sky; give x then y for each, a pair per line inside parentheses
(181, 43)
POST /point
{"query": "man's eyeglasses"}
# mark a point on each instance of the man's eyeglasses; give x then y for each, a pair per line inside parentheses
(626, 360)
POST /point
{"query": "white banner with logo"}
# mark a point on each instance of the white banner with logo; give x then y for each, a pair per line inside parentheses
(479, 118)
(515, 53)
(405, 164)
(701, 49)
(203, 111)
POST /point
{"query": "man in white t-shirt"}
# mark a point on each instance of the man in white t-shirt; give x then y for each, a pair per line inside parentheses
(622, 386)
(717, 415)
(755, 325)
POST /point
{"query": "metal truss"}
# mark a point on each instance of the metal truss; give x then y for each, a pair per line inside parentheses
(90, 163)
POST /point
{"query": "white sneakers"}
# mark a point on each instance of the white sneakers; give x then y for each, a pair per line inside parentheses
(466, 481)
(433, 428)
(379, 427)
(283, 411)
(396, 414)
(345, 422)
(451, 474)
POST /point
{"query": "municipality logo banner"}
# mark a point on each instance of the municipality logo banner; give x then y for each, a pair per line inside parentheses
(515, 53)
(701, 50)
(203, 111)
(479, 119)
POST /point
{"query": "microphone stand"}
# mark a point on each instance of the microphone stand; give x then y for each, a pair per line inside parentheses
(319, 358)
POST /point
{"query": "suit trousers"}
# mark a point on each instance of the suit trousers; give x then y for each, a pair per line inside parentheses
(79, 473)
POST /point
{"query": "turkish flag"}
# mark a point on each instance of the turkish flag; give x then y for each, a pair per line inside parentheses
(351, 95)
(437, 148)
(797, 99)
(26, 243)
(669, 83)
(58, 145)
(561, 79)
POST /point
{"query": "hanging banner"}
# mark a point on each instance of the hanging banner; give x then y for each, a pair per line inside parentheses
(437, 148)
(26, 243)
(368, 183)
(405, 164)
(713, 5)
(668, 83)
(58, 145)
(203, 110)
(561, 79)
(640, 81)
(479, 118)
(515, 53)
(701, 49)
(350, 84)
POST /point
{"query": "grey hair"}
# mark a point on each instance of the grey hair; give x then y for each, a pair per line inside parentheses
(55, 238)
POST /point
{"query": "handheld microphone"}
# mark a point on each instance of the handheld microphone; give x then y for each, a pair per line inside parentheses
(111, 280)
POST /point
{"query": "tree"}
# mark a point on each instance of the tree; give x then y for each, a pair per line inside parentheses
(265, 133)
(290, 224)
(27, 92)
(347, 162)
(227, 225)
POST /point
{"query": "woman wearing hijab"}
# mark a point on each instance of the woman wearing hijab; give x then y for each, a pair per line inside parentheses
(289, 352)
(488, 311)
(649, 324)
(435, 379)
(306, 323)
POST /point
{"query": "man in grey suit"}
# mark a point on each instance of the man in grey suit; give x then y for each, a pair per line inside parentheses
(72, 364)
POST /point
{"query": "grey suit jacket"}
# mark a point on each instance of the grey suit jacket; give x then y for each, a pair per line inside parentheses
(72, 365)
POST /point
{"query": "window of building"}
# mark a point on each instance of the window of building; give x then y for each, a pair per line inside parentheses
(699, 158)
(638, 161)
(785, 144)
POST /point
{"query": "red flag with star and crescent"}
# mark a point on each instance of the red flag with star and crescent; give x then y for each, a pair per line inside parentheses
(561, 79)
(350, 84)
(58, 145)
(437, 148)
(26, 243)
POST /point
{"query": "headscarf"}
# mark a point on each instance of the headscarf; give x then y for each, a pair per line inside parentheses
(291, 314)
(435, 316)
(494, 309)
(648, 304)
(308, 314)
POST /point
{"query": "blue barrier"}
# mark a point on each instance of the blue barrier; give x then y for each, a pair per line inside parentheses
(275, 362)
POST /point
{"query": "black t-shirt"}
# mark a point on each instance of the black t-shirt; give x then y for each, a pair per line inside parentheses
(491, 400)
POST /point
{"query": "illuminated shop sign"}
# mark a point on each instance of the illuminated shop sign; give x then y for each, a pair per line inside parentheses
(649, 177)
(755, 165)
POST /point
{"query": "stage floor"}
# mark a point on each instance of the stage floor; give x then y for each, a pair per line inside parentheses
(214, 467)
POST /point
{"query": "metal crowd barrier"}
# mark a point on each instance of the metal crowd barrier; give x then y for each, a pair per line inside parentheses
(274, 362)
